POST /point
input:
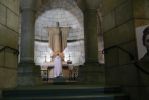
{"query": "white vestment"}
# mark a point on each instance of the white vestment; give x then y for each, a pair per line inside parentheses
(57, 66)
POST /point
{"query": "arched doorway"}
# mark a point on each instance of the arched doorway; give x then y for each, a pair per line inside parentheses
(67, 14)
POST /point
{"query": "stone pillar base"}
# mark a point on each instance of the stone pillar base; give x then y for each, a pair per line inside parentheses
(92, 73)
(28, 74)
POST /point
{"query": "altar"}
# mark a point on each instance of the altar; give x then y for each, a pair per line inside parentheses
(47, 70)
(57, 67)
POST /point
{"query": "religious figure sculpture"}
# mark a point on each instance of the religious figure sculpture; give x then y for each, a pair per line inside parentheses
(58, 42)
(58, 39)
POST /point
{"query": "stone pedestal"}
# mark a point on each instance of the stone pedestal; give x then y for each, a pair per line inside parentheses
(59, 80)
(28, 74)
(92, 73)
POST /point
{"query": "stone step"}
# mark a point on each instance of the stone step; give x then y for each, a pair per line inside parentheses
(77, 91)
(65, 93)
(83, 97)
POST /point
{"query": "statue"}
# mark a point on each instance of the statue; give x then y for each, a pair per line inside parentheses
(58, 39)
(58, 42)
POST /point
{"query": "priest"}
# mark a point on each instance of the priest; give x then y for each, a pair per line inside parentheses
(57, 66)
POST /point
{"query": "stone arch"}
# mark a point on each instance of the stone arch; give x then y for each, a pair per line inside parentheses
(68, 5)
(70, 8)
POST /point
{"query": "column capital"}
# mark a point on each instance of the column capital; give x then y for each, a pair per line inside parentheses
(28, 5)
(92, 11)
(92, 5)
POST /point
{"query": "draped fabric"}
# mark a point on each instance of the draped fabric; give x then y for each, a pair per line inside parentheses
(58, 38)
(65, 31)
(54, 39)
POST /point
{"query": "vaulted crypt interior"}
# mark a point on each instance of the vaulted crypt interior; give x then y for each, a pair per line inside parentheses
(67, 18)
(95, 26)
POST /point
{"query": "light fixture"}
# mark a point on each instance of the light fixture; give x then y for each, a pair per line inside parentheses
(69, 61)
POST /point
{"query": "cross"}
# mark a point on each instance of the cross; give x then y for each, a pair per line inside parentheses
(60, 33)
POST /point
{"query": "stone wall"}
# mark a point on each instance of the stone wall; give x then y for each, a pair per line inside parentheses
(119, 30)
(9, 33)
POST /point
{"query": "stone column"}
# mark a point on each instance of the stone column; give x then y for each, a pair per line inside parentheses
(26, 65)
(91, 35)
(92, 72)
